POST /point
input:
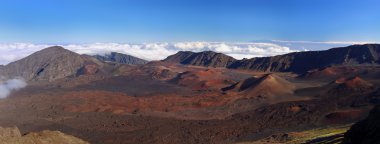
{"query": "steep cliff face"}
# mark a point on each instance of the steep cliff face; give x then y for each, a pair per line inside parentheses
(366, 131)
(49, 64)
(207, 58)
(298, 62)
(121, 58)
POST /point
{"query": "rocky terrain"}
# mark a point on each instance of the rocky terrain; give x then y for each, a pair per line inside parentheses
(191, 97)
(13, 135)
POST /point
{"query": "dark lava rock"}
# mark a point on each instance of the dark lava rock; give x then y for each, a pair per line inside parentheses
(366, 131)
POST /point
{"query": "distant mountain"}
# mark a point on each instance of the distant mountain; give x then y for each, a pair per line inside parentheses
(366, 131)
(298, 62)
(207, 58)
(120, 58)
(56, 63)
(48, 64)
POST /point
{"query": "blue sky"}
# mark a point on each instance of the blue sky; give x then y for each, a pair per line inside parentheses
(86, 21)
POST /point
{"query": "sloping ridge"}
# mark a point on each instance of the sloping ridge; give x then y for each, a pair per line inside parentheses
(48, 64)
(120, 58)
(269, 84)
(206, 58)
(297, 62)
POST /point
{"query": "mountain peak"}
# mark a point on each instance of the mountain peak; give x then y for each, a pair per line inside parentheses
(47, 64)
(205, 58)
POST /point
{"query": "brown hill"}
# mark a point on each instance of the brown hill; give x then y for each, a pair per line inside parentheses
(266, 85)
(349, 86)
(203, 79)
(330, 72)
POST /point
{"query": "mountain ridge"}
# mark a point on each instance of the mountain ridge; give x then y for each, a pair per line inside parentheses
(297, 62)
(206, 58)
(56, 62)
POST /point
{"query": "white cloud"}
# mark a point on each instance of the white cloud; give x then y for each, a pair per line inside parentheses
(8, 86)
(149, 51)
(325, 42)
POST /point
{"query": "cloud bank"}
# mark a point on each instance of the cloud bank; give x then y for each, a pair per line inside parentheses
(8, 86)
(149, 51)
(325, 42)
(158, 51)
(317, 45)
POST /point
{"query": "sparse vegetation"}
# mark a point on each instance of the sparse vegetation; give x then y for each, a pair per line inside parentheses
(327, 135)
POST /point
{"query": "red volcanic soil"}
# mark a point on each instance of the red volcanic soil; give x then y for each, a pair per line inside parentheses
(90, 69)
(119, 103)
(356, 82)
(344, 116)
(350, 85)
(209, 79)
(268, 85)
(159, 72)
(331, 72)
